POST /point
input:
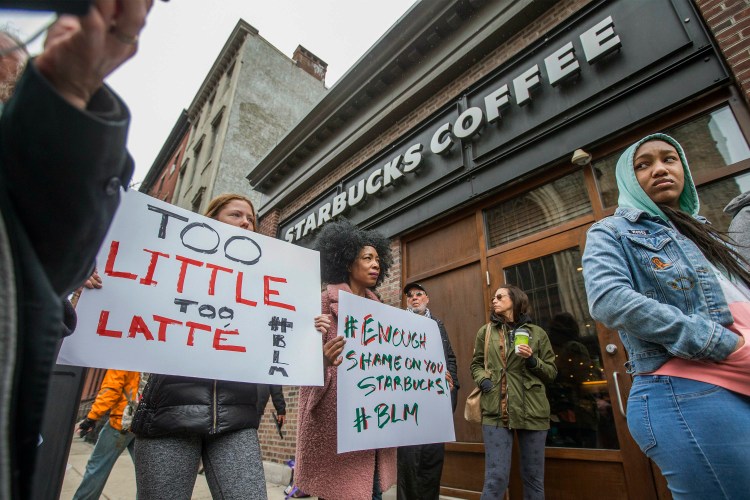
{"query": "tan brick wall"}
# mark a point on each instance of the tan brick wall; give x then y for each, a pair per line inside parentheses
(390, 289)
(269, 223)
(729, 21)
(274, 448)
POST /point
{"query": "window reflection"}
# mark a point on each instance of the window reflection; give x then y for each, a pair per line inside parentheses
(711, 141)
(549, 205)
(581, 411)
(715, 196)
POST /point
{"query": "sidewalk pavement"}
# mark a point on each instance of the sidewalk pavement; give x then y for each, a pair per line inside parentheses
(121, 483)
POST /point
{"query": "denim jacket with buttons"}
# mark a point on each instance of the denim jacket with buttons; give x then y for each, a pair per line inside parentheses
(655, 287)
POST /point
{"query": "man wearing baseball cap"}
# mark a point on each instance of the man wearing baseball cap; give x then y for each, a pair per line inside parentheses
(420, 466)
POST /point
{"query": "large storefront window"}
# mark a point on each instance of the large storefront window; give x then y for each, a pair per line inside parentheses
(715, 196)
(581, 410)
(711, 141)
(539, 209)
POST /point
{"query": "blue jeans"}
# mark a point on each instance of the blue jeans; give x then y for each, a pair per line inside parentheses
(109, 446)
(697, 433)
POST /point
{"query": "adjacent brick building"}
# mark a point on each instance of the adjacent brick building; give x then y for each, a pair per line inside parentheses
(251, 97)
(161, 179)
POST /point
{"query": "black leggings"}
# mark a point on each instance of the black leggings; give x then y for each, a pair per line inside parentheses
(498, 452)
(166, 467)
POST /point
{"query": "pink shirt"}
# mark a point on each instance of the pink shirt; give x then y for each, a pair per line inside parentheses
(733, 373)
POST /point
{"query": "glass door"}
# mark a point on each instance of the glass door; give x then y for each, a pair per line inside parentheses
(581, 409)
(588, 437)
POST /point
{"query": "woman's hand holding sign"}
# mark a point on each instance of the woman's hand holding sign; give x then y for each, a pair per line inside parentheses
(333, 348)
(332, 351)
(449, 378)
(94, 281)
(323, 323)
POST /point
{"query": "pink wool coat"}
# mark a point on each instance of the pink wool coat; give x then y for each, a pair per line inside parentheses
(319, 470)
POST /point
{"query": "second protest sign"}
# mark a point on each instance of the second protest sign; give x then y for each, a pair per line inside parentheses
(392, 386)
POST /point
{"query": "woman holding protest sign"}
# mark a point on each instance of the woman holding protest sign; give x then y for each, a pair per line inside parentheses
(353, 261)
(182, 420)
(511, 367)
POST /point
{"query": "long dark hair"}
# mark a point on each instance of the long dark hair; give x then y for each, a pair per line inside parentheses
(715, 245)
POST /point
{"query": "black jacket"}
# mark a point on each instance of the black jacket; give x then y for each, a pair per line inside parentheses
(61, 169)
(276, 393)
(173, 405)
(450, 361)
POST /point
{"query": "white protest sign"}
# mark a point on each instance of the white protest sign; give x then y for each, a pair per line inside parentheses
(187, 295)
(392, 387)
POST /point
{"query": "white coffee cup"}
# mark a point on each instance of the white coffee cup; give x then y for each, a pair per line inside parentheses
(521, 337)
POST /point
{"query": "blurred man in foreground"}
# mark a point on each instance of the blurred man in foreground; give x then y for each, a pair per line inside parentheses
(62, 162)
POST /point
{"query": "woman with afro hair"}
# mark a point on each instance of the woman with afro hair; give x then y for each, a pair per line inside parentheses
(354, 261)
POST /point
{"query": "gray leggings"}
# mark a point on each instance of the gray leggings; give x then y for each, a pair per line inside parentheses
(166, 467)
(498, 450)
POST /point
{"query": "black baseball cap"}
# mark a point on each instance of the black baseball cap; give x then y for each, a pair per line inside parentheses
(409, 286)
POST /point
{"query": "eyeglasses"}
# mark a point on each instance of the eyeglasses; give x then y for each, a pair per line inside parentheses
(500, 296)
(416, 294)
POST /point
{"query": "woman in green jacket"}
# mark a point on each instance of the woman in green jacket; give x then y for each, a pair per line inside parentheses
(513, 394)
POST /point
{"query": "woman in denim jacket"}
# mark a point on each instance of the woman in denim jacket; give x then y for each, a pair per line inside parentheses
(677, 292)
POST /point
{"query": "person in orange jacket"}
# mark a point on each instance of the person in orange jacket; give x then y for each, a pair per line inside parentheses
(118, 395)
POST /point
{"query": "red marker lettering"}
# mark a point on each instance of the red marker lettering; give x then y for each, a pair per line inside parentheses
(267, 292)
(218, 339)
(183, 269)
(214, 270)
(193, 326)
(109, 268)
(163, 322)
(101, 328)
(138, 326)
(149, 278)
(238, 295)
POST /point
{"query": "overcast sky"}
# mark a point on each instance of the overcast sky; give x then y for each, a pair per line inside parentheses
(183, 38)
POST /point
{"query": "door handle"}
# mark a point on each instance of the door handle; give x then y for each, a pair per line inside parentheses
(615, 377)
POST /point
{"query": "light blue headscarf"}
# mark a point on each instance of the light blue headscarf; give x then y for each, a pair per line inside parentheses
(632, 194)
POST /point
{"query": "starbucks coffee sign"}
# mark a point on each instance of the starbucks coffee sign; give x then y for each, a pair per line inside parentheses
(400, 172)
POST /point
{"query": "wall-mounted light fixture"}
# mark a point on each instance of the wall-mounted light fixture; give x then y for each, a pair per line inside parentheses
(580, 157)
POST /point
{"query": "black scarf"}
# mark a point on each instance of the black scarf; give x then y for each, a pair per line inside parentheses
(499, 320)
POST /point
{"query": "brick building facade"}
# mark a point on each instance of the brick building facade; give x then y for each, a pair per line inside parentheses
(251, 96)
(161, 179)
(640, 67)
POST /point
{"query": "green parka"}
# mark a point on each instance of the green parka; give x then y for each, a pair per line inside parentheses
(518, 399)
